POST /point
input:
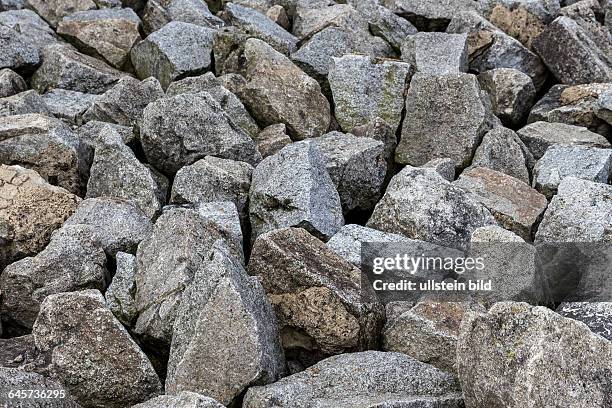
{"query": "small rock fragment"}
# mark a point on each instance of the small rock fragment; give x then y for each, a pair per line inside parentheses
(512, 94)
(272, 139)
(378, 129)
(11, 83)
(436, 53)
(15, 350)
(278, 14)
(94, 132)
(431, 15)
(122, 290)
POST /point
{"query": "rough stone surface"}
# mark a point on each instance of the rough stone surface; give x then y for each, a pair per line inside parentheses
(387, 25)
(278, 14)
(17, 379)
(84, 347)
(183, 399)
(521, 364)
(223, 304)
(603, 109)
(272, 139)
(15, 350)
(54, 10)
(446, 117)
(293, 188)
(420, 204)
(364, 88)
(23, 103)
(436, 53)
(68, 105)
(11, 83)
(94, 132)
(514, 204)
(385, 379)
(177, 49)
(73, 260)
(596, 315)
(158, 13)
(444, 167)
(16, 52)
(318, 303)
(177, 131)
(560, 161)
(119, 296)
(378, 129)
(279, 92)
(512, 94)
(32, 28)
(431, 15)
(580, 212)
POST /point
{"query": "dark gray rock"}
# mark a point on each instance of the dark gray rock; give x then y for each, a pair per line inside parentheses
(158, 13)
(15, 351)
(436, 53)
(94, 132)
(68, 105)
(11, 83)
(23, 103)
(16, 52)
(32, 28)
(120, 294)
(512, 94)
(596, 315)
(387, 25)
(432, 15)
(17, 379)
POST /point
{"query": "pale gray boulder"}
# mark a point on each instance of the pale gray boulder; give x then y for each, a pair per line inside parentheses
(272, 139)
(436, 53)
(183, 399)
(159, 13)
(446, 117)
(120, 294)
(68, 105)
(580, 212)
(17, 379)
(23, 103)
(514, 204)
(596, 315)
(367, 379)
(522, 364)
(364, 88)
(16, 52)
(223, 304)
(421, 204)
(560, 161)
(73, 260)
(11, 83)
(125, 102)
(83, 346)
(539, 136)
(32, 28)
(224, 216)
(293, 188)
(177, 49)
(279, 92)
(512, 94)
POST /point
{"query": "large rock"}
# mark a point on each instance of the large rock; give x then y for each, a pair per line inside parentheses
(279, 92)
(596, 315)
(502, 150)
(316, 296)
(177, 49)
(54, 10)
(158, 13)
(124, 103)
(119, 224)
(446, 117)
(539, 136)
(65, 68)
(86, 349)
(293, 188)
(68, 105)
(30, 210)
(576, 55)
(580, 212)
(109, 34)
(356, 166)
(514, 204)
(73, 260)
(177, 131)
(512, 94)
(117, 173)
(421, 204)
(11, 83)
(560, 161)
(31, 27)
(16, 52)
(436, 53)
(228, 101)
(366, 379)
(166, 264)
(364, 88)
(259, 26)
(119, 296)
(183, 399)
(23, 103)
(521, 364)
(13, 379)
(223, 304)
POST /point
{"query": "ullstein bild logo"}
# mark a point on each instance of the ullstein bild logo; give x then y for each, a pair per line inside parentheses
(538, 274)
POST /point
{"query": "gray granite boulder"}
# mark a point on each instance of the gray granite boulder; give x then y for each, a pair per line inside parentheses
(68, 105)
(23, 103)
(385, 24)
(31, 26)
(120, 294)
(436, 53)
(603, 109)
(512, 94)
(54, 10)
(94, 132)
(16, 52)
(444, 167)
(378, 129)
(11, 83)
(158, 13)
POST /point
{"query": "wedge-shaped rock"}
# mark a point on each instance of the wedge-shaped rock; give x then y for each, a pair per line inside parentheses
(23, 103)
(73, 260)
(356, 166)
(177, 49)
(272, 139)
(436, 53)
(16, 52)
(421, 204)
(560, 161)
(119, 224)
(576, 55)
(512, 94)
(46, 145)
(124, 103)
(223, 304)
(64, 67)
(17, 379)
(68, 105)
(316, 295)
(539, 136)
(158, 13)
(183, 399)
(260, 26)
(84, 347)
(120, 293)
(515, 205)
(177, 131)
(293, 188)
(580, 212)
(109, 34)
(521, 365)
(166, 264)
(213, 179)
(446, 117)
(364, 89)
(279, 92)
(11, 83)
(228, 101)
(366, 379)
(502, 150)
(596, 315)
(113, 162)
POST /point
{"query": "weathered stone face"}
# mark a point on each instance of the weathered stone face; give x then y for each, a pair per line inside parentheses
(436, 53)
